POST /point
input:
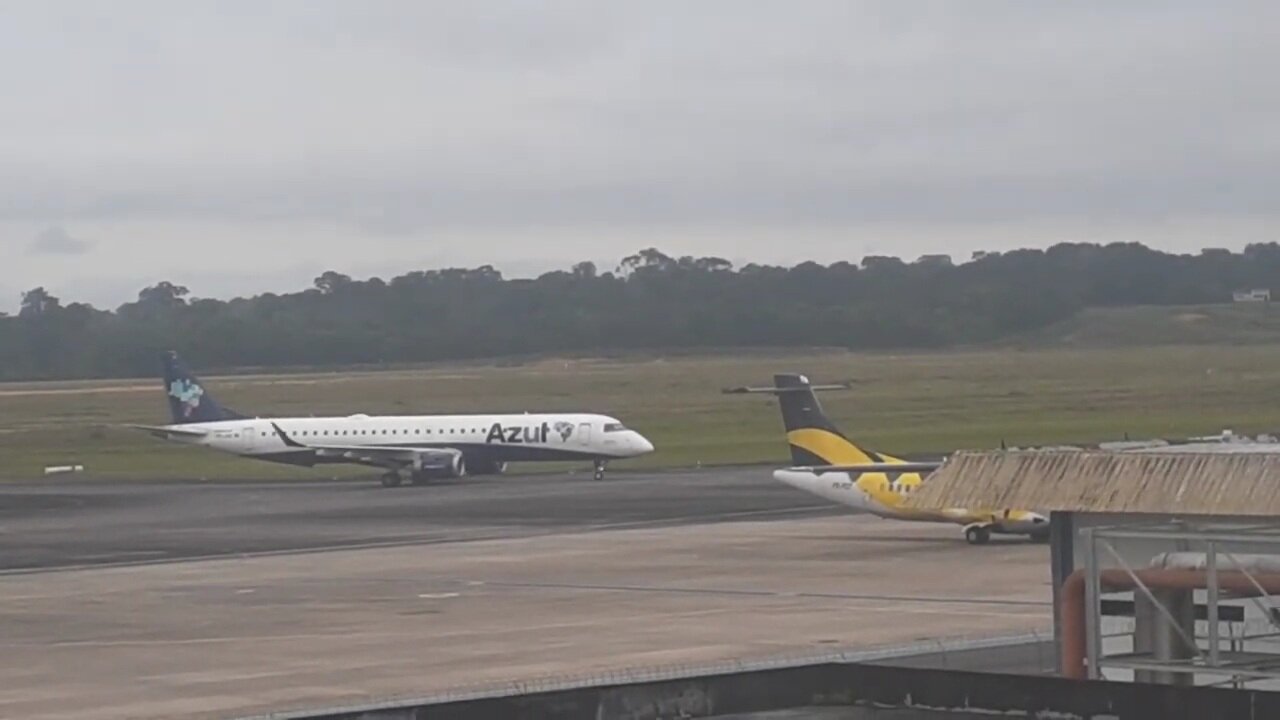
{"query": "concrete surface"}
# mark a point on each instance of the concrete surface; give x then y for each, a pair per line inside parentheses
(55, 524)
(572, 577)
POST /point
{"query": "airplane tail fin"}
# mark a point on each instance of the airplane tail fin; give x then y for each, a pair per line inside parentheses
(813, 438)
(188, 401)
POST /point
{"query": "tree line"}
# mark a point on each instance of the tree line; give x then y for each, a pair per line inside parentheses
(651, 301)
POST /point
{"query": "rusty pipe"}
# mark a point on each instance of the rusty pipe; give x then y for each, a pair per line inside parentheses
(1113, 580)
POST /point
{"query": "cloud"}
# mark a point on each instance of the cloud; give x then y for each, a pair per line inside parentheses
(55, 240)
(405, 129)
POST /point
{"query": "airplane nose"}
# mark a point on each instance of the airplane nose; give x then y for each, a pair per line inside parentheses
(789, 477)
(642, 444)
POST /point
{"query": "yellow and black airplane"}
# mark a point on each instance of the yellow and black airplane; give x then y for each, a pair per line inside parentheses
(829, 465)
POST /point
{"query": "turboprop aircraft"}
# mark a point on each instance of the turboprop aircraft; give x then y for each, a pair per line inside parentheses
(425, 447)
(831, 466)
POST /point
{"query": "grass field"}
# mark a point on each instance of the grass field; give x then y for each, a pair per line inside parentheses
(1151, 325)
(914, 403)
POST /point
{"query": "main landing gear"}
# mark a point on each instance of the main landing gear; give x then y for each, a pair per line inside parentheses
(599, 473)
(394, 479)
(977, 534)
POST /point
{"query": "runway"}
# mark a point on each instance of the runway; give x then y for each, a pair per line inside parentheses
(57, 525)
(184, 601)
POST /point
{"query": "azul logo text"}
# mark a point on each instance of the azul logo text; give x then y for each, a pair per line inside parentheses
(518, 434)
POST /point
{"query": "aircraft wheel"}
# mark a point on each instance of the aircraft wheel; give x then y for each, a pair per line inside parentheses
(391, 480)
(977, 534)
(599, 473)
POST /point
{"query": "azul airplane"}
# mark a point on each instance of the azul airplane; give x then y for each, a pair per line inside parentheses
(422, 446)
(830, 466)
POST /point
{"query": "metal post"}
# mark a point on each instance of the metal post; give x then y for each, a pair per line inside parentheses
(1092, 606)
(1211, 567)
(1144, 621)
(1173, 639)
(1061, 564)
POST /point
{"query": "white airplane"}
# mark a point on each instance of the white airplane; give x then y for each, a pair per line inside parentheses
(831, 466)
(423, 446)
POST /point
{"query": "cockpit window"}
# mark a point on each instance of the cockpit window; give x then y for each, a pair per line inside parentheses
(613, 427)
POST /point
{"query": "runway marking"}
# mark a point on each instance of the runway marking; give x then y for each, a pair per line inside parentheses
(924, 599)
(134, 553)
(221, 639)
(439, 596)
(411, 540)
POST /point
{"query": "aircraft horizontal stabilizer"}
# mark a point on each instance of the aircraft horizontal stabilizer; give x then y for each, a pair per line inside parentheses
(747, 390)
(163, 432)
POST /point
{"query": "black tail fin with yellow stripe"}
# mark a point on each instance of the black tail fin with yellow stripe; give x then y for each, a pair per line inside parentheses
(813, 438)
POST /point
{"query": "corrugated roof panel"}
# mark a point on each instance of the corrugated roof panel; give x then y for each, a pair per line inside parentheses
(1214, 483)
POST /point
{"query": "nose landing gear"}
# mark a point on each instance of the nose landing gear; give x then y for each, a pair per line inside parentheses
(599, 473)
(977, 534)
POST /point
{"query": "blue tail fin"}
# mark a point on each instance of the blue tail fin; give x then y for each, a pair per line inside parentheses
(188, 401)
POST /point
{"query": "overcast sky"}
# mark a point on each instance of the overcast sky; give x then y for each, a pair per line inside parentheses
(240, 147)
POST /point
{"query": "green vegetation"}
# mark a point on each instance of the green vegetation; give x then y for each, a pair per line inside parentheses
(652, 302)
(1177, 364)
(1242, 324)
(907, 403)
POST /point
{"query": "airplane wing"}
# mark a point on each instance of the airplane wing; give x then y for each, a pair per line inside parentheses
(394, 457)
(903, 467)
(165, 432)
(748, 390)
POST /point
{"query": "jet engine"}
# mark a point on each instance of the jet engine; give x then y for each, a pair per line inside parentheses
(431, 466)
(457, 465)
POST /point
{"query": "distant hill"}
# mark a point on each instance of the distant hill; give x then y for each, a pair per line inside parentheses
(1226, 324)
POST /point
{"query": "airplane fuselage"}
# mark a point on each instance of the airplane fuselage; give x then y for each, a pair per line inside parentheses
(883, 495)
(481, 438)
